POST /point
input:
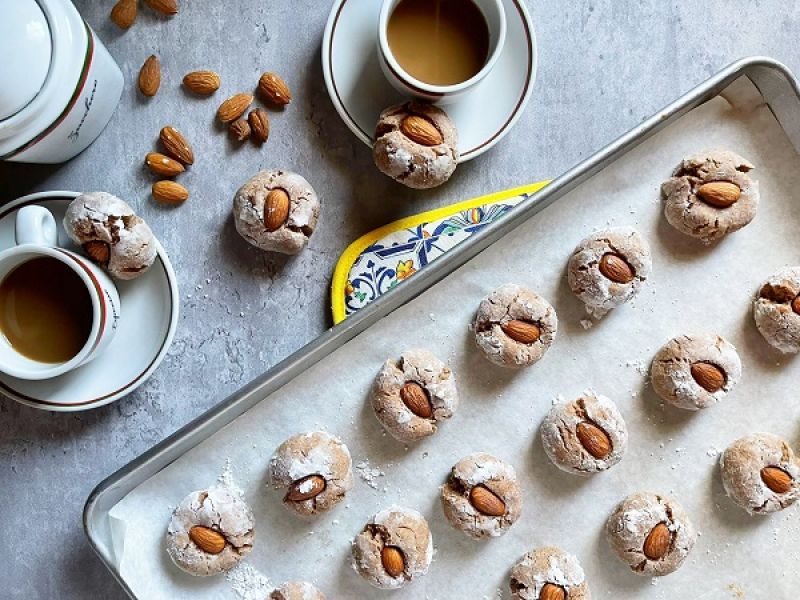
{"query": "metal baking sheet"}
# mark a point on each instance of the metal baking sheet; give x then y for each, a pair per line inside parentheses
(753, 107)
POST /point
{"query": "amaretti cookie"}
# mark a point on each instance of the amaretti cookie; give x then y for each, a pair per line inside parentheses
(586, 435)
(394, 548)
(549, 574)
(314, 470)
(711, 195)
(776, 310)
(210, 531)
(276, 211)
(412, 395)
(515, 326)
(296, 590)
(482, 497)
(760, 473)
(695, 371)
(111, 234)
(416, 144)
(650, 533)
(608, 268)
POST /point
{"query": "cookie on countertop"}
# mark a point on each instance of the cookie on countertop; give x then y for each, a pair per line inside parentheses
(514, 326)
(296, 590)
(776, 310)
(549, 574)
(711, 195)
(760, 473)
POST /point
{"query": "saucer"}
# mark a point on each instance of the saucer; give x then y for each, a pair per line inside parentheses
(360, 91)
(149, 307)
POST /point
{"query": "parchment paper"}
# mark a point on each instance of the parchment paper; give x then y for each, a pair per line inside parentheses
(693, 288)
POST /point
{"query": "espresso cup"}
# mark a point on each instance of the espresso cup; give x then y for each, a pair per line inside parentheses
(36, 237)
(495, 17)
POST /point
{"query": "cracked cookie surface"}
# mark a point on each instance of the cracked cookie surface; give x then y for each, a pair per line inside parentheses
(547, 573)
(776, 310)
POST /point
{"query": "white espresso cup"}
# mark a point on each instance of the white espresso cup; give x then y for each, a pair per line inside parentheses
(403, 82)
(36, 236)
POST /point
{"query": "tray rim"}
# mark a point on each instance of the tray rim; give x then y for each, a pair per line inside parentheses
(114, 487)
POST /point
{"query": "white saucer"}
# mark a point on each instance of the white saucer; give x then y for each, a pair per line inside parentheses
(359, 90)
(149, 319)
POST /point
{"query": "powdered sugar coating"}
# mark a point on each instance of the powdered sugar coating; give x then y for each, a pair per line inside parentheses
(402, 528)
(422, 367)
(218, 508)
(313, 453)
(507, 303)
(296, 590)
(497, 476)
(775, 318)
(550, 565)
(671, 373)
(741, 465)
(102, 217)
(632, 521)
(599, 293)
(304, 207)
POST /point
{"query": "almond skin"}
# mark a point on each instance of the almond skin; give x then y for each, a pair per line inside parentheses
(169, 192)
(123, 15)
(776, 479)
(176, 145)
(486, 501)
(274, 89)
(163, 165)
(150, 76)
(202, 82)
(551, 591)
(796, 305)
(207, 539)
(306, 488)
(709, 377)
(421, 130)
(276, 209)
(234, 107)
(240, 130)
(165, 7)
(259, 124)
(416, 399)
(594, 439)
(657, 543)
(719, 194)
(98, 251)
(393, 561)
(523, 332)
(616, 268)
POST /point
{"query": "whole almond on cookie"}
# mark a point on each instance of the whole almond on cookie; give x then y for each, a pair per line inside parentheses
(709, 377)
(150, 76)
(719, 194)
(123, 15)
(776, 479)
(523, 332)
(276, 209)
(393, 561)
(416, 399)
(165, 7)
(163, 165)
(616, 268)
(274, 89)
(176, 145)
(259, 124)
(98, 251)
(306, 488)
(202, 82)
(657, 543)
(594, 439)
(421, 130)
(486, 501)
(234, 107)
(169, 192)
(551, 591)
(207, 539)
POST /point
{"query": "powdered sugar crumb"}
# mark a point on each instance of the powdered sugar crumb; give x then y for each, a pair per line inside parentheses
(248, 583)
(368, 473)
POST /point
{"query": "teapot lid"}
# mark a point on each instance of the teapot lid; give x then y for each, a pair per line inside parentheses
(26, 48)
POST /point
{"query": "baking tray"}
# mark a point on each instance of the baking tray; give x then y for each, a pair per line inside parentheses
(779, 91)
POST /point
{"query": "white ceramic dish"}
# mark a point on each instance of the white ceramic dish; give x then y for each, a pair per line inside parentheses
(150, 316)
(360, 91)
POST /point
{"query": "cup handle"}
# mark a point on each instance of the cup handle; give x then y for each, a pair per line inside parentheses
(36, 225)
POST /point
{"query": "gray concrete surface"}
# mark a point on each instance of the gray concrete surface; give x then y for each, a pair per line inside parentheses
(605, 65)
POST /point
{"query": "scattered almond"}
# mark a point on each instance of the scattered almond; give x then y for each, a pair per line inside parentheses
(719, 194)
(169, 192)
(657, 543)
(616, 268)
(709, 377)
(274, 89)
(240, 130)
(276, 209)
(416, 399)
(234, 107)
(306, 488)
(98, 251)
(202, 82)
(259, 124)
(123, 15)
(165, 7)
(551, 591)
(150, 76)
(776, 479)
(207, 539)
(523, 332)
(594, 439)
(176, 145)
(163, 165)
(393, 561)
(421, 130)
(486, 501)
